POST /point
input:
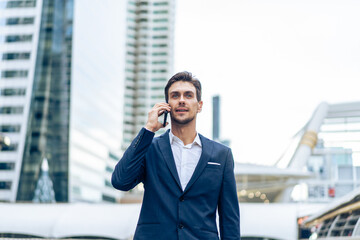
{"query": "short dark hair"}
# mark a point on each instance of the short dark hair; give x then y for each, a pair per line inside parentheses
(185, 77)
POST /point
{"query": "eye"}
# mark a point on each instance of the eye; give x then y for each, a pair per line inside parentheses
(175, 95)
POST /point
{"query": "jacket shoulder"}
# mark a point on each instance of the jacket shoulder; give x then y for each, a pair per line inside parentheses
(161, 137)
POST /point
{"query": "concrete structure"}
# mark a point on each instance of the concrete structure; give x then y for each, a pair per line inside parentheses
(118, 221)
(266, 184)
(328, 147)
(61, 96)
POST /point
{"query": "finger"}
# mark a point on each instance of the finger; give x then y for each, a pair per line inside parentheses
(161, 109)
(157, 105)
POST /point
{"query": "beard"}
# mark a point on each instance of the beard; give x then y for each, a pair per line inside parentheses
(183, 121)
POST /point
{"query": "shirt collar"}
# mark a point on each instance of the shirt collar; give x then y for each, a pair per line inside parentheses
(173, 138)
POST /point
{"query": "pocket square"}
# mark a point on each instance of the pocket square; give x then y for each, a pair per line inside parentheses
(214, 163)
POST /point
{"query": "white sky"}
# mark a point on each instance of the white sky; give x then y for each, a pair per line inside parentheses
(272, 62)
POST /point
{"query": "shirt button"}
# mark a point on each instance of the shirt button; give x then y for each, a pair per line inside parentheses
(181, 199)
(181, 226)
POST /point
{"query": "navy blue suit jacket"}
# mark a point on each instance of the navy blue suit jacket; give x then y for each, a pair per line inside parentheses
(167, 211)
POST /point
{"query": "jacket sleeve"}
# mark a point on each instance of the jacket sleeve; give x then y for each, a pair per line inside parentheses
(228, 208)
(130, 170)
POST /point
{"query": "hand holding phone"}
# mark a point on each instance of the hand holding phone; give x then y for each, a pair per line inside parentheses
(154, 123)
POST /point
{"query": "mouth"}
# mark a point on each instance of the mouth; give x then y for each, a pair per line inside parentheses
(180, 110)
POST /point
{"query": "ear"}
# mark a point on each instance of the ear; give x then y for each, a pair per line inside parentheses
(200, 104)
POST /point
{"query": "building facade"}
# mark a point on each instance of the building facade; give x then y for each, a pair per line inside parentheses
(149, 60)
(61, 96)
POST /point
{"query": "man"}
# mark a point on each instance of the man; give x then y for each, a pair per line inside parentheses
(186, 176)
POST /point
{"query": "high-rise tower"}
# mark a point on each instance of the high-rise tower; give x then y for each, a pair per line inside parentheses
(149, 60)
(61, 87)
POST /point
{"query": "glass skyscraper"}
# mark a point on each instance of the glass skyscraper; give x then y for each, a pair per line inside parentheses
(61, 96)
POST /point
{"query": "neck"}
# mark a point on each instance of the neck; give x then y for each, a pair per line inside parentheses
(186, 133)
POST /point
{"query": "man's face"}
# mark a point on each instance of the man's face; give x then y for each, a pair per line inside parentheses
(183, 102)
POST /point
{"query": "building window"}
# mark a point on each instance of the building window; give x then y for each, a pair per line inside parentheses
(160, 3)
(11, 147)
(159, 54)
(159, 45)
(16, 56)
(113, 156)
(160, 28)
(21, 4)
(14, 74)
(109, 169)
(107, 198)
(11, 110)
(142, 3)
(5, 185)
(10, 128)
(159, 62)
(160, 20)
(7, 166)
(108, 183)
(130, 53)
(157, 88)
(161, 12)
(16, 21)
(18, 38)
(159, 71)
(12, 92)
(160, 37)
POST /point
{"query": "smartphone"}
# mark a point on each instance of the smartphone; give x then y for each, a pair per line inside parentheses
(165, 117)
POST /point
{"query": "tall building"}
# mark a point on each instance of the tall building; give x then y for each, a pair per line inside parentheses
(149, 60)
(61, 96)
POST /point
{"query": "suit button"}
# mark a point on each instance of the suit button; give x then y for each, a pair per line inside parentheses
(181, 226)
(181, 199)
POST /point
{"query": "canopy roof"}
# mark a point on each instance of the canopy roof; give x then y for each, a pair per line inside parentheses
(115, 221)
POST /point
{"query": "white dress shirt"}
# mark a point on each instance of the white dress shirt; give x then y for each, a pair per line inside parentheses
(186, 157)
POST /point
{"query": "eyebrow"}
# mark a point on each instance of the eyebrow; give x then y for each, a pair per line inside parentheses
(186, 92)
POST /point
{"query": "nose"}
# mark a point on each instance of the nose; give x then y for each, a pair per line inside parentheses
(182, 99)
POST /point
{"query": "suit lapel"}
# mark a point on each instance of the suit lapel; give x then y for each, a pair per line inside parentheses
(204, 158)
(165, 148)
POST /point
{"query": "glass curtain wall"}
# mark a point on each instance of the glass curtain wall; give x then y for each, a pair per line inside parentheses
(48, 125)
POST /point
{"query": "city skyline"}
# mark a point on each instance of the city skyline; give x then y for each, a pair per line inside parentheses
(270, 74)
(77, 80)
